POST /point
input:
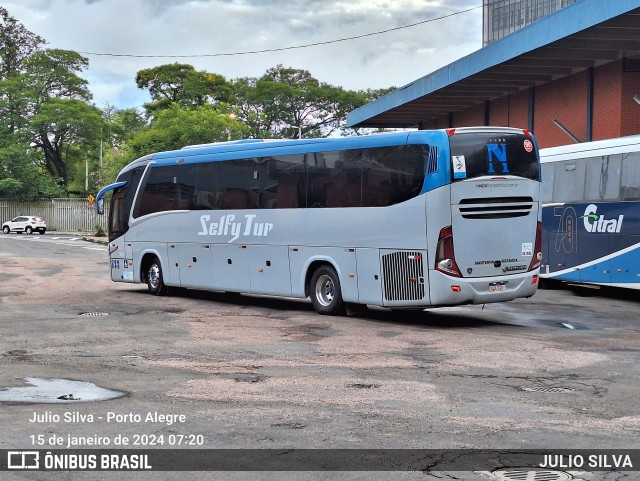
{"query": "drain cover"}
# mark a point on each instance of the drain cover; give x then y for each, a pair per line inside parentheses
(548, 389)
(527, 474)
(97, 314)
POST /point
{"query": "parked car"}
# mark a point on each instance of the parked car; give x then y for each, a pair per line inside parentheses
(25, 223)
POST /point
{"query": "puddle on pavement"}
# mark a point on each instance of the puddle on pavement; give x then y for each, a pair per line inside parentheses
(57, 391)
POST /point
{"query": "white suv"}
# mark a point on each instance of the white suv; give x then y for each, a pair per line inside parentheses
(25, 223)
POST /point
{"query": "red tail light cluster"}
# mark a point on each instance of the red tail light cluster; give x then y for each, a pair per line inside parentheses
(445, 257)
(537, 250)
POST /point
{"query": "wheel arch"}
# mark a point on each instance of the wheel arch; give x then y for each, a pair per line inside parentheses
(145, 259)
(313, 265)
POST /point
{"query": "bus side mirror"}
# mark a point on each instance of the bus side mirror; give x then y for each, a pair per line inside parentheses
(100, 207)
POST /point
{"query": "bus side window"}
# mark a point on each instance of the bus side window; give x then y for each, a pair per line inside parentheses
(603, 178)
(160, 191)
(629, 189)
(568, 185)
(187, 181)
(241, 191)
(546, 188)
(283, 184)
(206, 194)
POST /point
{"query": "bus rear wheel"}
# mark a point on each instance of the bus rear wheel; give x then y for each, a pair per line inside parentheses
(155, 281)
(326, 294)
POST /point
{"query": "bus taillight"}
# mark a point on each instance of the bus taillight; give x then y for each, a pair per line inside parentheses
(445, 257)
(537, 251)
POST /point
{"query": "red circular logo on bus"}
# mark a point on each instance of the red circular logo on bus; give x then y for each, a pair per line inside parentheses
(528, 145)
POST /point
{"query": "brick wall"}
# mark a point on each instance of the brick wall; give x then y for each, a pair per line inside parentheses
(630, 110)
(499, 112)
(564, 100)
(470, 117)
(606, 102)
(615, 114)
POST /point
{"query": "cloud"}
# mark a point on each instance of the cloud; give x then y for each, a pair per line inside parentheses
(199, 27)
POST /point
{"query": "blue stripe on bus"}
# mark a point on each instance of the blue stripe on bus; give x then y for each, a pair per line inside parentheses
(226, 151)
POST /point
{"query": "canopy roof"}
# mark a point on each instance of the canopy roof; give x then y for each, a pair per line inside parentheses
(585, 34)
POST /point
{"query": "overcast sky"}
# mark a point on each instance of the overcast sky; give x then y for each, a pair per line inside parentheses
(205, 27)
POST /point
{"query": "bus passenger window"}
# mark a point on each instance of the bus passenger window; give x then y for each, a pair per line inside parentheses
(630, 185)
(603, 178)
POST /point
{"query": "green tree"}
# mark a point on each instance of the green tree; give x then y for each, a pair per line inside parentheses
(181, 84)
(60, 123)
(44, 106)
(22, 177)
(291, 103)
(119, 126)
(17, 44)
(175, 127)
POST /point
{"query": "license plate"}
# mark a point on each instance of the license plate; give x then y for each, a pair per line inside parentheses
(497, 287)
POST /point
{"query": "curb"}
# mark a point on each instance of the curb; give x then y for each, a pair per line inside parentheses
(96, 240)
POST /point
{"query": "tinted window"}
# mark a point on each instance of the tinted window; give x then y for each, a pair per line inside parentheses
(168, 188)
(348, 178)
(283, 182)
(206, 193)
(366, 177)
(238, 184)
(122, 201)
(477, 154)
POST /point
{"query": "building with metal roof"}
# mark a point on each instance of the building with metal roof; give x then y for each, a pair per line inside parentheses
(574, 74)
(503, 17)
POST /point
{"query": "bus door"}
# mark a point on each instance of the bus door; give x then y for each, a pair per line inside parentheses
(494, 202)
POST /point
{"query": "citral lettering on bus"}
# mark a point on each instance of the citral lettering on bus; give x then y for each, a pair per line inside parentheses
(228, 226)
(595, 223)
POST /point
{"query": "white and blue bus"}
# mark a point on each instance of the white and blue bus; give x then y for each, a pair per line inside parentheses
(591, 212)
(401, 220)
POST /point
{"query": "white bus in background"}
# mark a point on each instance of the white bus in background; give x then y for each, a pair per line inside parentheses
(403, 220)
(591, 215)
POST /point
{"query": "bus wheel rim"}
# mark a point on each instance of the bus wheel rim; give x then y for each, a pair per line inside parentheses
(154, 276)
(325, 290)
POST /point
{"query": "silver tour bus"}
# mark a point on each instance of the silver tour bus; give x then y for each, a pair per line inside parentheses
(404, 220)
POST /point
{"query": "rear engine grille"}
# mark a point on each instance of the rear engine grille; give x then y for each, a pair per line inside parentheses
(495, 207)
(403, 276)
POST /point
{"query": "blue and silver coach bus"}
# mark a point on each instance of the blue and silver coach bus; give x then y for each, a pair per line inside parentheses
(402, 220)
(591, 212)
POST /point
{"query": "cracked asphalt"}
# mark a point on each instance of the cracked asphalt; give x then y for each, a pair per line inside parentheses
(557, 371)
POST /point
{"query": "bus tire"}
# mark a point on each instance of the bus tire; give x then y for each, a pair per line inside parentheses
(155, 280)
(326, 294)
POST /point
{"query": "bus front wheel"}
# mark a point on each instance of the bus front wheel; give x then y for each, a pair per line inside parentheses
(326, 294)
(155, 281)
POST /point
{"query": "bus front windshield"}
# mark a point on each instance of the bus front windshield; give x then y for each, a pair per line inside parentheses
(476, 154)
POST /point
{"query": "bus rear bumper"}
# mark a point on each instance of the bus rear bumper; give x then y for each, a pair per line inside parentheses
(447, 290)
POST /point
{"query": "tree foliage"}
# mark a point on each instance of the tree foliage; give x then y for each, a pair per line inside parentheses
(45, 111)
(181, 84)
(176, 127)
(49, 129)
(291, 103)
